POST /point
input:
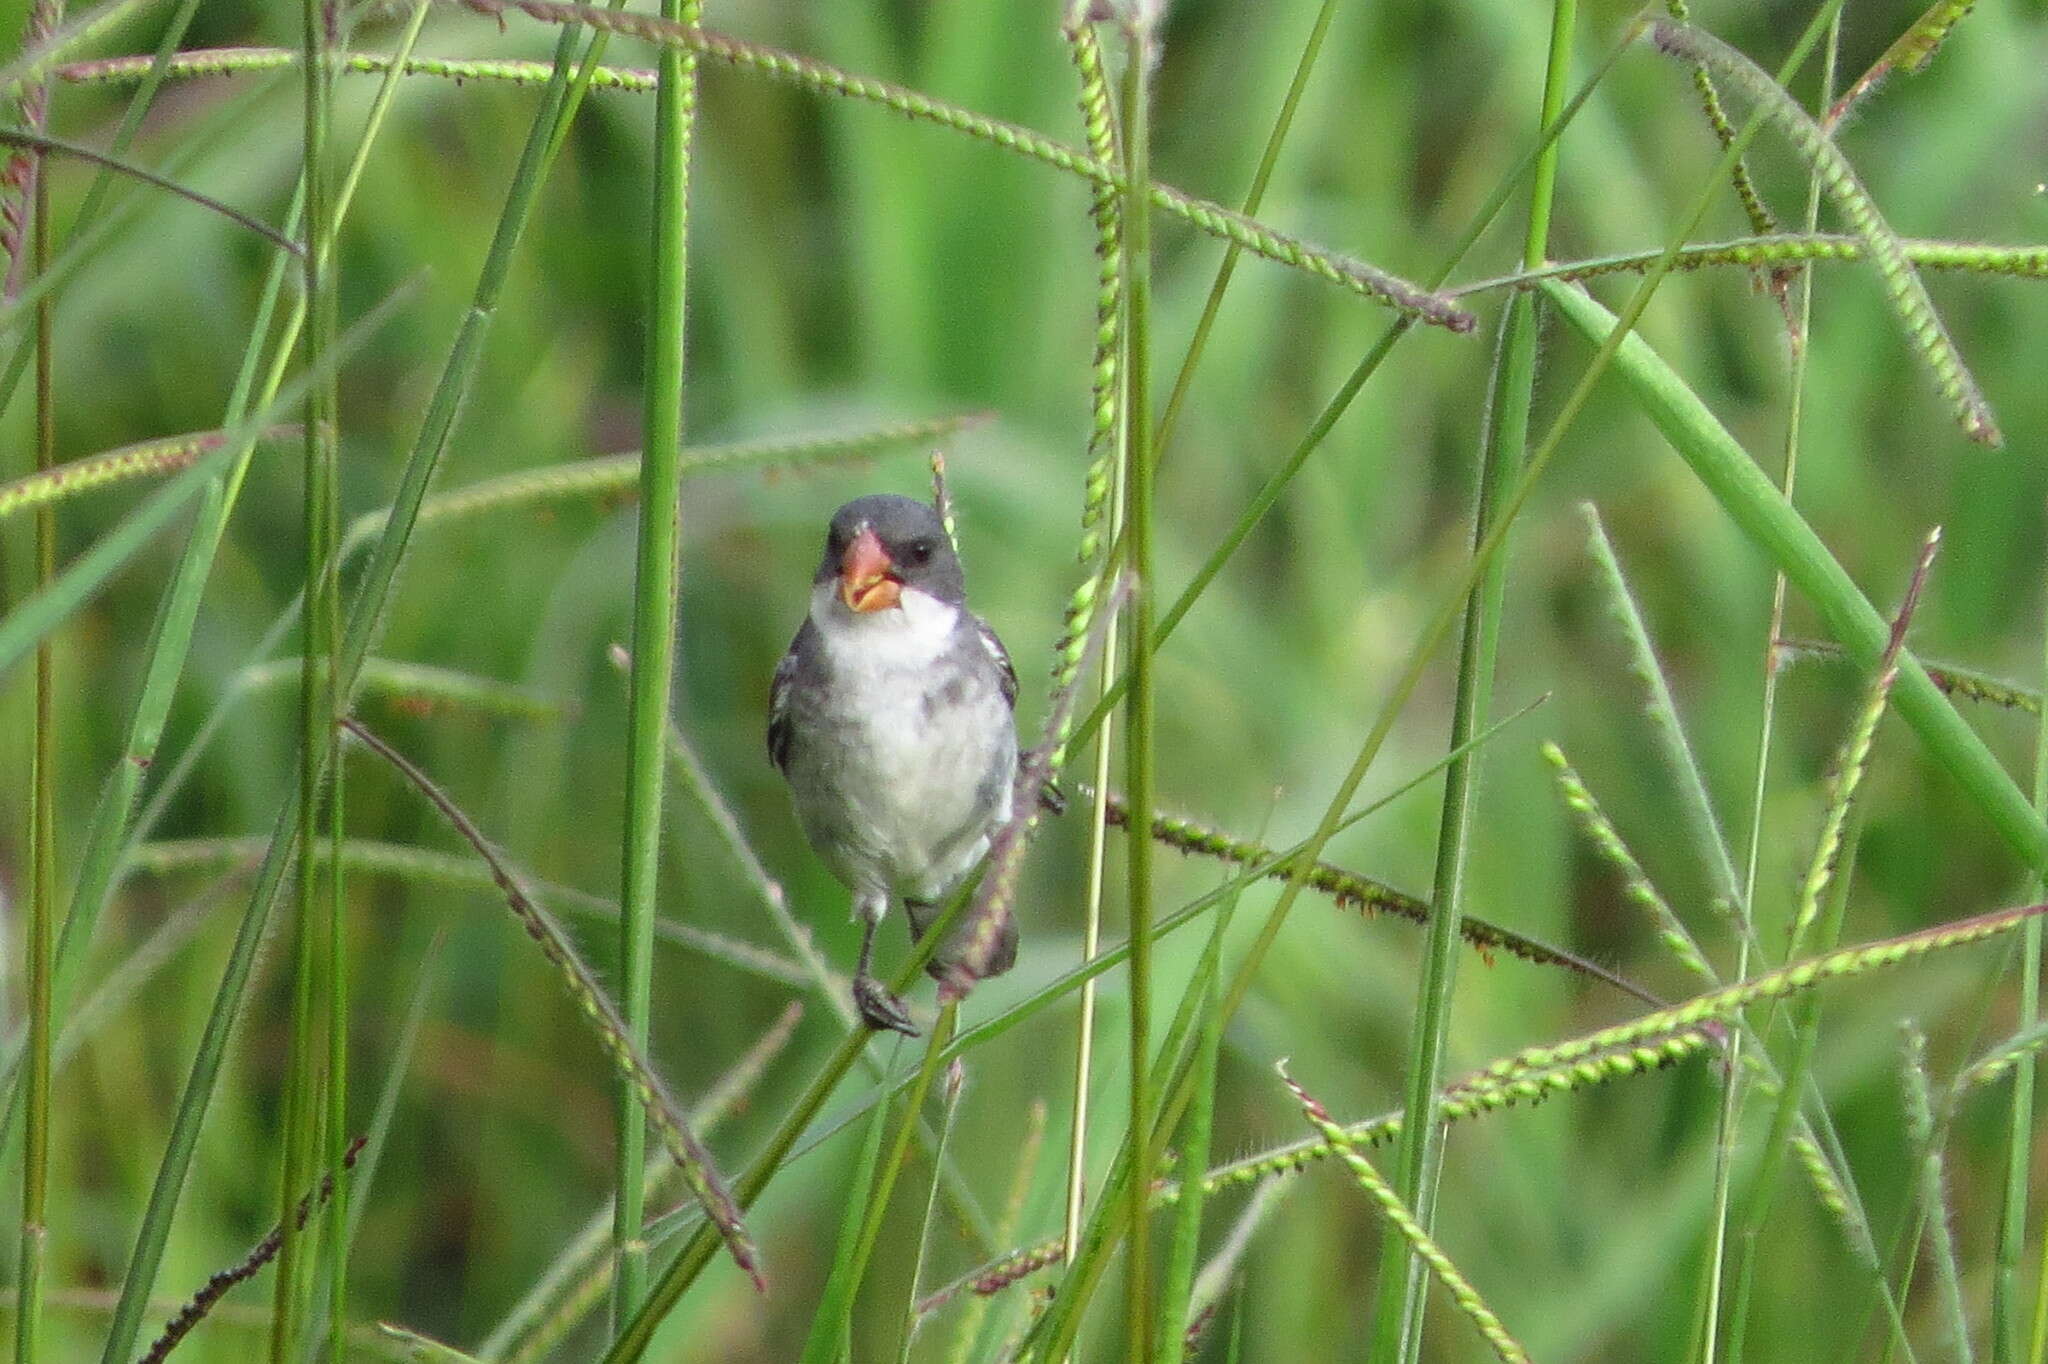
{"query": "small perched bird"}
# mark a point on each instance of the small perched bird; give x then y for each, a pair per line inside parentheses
(893, 718)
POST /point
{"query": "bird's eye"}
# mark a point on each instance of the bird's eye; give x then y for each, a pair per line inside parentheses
(919, 552)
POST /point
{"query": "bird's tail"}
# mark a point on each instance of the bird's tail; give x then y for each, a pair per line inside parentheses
(946, 962)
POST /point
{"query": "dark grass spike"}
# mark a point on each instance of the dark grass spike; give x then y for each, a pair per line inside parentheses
(1902, 285)
(1955, 681)
(1213, 218)
(663, 1111)
(1359, 892)
(24, 167)
(216, 1288)
(1911, 52)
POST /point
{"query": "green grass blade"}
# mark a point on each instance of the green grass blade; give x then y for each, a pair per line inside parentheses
(1503, 449)
(655, 585)
(825, 1343)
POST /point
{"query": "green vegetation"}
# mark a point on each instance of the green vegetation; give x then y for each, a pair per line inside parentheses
(1389, 440)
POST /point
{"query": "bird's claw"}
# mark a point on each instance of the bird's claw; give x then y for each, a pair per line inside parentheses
(882, 1010)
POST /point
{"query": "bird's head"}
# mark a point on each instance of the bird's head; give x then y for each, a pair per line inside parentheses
(881, 546)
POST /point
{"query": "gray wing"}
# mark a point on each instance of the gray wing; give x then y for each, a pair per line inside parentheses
(1006, 672)
(779, 694)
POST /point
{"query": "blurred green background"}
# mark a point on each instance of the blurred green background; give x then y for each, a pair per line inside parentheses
(850, 268)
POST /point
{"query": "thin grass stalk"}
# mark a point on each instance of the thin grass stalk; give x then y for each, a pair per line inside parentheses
(835, 1315)
(365, 614)
(1139, 707)
(1828, 875)
(1176, 1302)
(1731, 1094)
(1953, 680)
(827, 1342)
(1058, 1330)
(1913, 50)
(1013, 1210)
(955, 1085)
(152, 1233)
(603, 1017)
(144, 459)
(1503, 447)
(1700, 827)
(1832, 1193)
(655, 585)
(323, 434)
(1255, 196)
(1636, 884)
(359, 1160)
(1753, 206)
(42, 910)
(1101, 527)
(2009, 1343)
(1652, 1041)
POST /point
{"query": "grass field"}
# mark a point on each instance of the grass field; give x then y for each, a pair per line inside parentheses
(789, 293)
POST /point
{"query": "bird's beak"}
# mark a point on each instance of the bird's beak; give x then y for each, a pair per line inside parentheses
(867, 580)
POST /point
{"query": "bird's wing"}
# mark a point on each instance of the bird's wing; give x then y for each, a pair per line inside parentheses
(1006, 672)
(778, 701)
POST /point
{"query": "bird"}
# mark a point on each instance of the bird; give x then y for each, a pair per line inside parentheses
(893, 719)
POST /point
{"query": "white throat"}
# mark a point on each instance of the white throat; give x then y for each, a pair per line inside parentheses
(909, 635)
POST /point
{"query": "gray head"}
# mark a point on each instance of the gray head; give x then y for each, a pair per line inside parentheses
(880, 544)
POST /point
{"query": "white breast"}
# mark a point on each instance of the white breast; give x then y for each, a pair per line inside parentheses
(913, 770)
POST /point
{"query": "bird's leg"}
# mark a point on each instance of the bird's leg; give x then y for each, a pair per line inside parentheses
(881, 1009)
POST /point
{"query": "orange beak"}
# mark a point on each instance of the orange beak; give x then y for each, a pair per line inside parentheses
(866, 581)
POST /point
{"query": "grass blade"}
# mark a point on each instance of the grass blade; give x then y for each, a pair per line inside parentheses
(656, 574)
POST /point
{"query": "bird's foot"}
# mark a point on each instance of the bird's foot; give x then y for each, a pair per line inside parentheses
(882, 1010)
